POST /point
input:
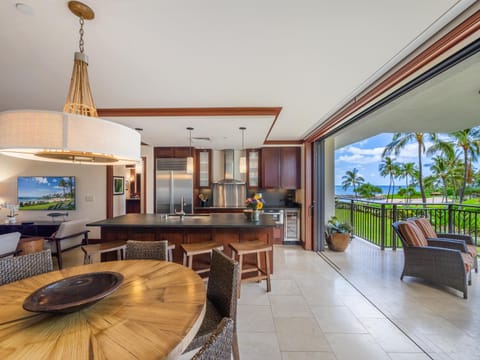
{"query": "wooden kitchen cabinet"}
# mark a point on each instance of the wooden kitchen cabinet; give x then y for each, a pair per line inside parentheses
(203, 163)
(173, 152)
(281, 167)
(253, 168)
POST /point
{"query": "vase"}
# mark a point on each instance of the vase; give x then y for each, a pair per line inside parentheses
(255, 216)
(11, 220)
(338, 241)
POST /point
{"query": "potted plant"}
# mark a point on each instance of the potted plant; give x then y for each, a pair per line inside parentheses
(338, 234)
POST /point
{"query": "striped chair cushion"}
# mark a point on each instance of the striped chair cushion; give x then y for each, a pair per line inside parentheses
(472, 250)
(412, 234)
(468, 261)
(426, 227)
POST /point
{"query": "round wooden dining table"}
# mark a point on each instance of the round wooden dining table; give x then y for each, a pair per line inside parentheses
(154, 314)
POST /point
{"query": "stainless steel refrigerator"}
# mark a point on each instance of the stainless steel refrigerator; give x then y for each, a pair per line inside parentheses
(173, 184)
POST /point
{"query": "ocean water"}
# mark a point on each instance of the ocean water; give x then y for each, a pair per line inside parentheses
(339, 190)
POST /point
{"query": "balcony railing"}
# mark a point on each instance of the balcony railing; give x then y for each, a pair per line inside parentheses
(373, 220)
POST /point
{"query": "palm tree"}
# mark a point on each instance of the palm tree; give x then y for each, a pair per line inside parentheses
(408, 170)
(400, 140)
(468, 141)
(351, 178)
(391, 169)
(63, 184)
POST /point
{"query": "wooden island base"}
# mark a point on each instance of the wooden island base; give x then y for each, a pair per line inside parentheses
(222, 228)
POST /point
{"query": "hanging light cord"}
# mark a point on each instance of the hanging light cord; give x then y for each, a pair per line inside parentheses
(81, 43)
(243, 144)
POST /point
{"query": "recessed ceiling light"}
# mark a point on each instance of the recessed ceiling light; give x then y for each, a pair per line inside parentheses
(24, 8)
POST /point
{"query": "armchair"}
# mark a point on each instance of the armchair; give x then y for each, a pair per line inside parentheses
(441, 261)
(429, 232)
(69, 235)
(8, 244)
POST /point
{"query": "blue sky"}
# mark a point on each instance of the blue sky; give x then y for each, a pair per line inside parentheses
(366, 156)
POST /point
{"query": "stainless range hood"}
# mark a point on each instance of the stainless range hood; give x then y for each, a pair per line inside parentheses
(229, 192)
(229, 168)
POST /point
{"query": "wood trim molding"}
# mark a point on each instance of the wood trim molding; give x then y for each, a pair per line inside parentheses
(196, 111)
(213, 111)
(144, 184)
(109, 172)
(308, 195)
(441, 46)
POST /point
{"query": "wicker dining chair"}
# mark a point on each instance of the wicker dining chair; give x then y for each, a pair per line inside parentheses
(155, 250)
(219, 344)
(221, 300)
(21, 267)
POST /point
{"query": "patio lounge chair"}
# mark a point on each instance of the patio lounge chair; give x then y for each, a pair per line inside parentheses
(429, 232)
(440, 261)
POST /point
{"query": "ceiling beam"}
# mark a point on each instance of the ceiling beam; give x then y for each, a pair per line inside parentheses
(210, 111)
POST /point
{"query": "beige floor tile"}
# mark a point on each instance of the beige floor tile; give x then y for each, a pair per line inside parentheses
(361, 308)
(259, 346)
(255, 318)
(285, 287)
(337, 319)
(300, 334)
(289, 306)
(308, 356)
(254, 294)
(408, 356)
(388, 336)
(356, 347)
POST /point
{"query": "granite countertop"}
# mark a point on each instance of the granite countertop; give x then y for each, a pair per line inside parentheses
(243, 207)
(221, 220)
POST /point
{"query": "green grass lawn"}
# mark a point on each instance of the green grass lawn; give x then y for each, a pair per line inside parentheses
(53, 205)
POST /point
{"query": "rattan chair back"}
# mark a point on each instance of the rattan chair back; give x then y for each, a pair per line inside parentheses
(219, 344)
(25, 266)
(155, 250)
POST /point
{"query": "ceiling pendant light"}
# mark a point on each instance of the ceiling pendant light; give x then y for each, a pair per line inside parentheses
(243, 158)
(77, 135)
(190, 158)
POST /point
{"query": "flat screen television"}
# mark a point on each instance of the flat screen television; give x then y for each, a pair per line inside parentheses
(46, 192)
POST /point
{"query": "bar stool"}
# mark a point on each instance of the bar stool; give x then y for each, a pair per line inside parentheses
(190, 250)
(170, 248)
(253, 247)
(94, 251)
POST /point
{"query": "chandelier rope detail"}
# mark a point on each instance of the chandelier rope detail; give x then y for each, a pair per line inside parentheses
(76, 135)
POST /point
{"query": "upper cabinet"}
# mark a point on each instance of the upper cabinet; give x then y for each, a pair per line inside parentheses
(253, 168)
(172, 152)
(281, 167)
(203, 173)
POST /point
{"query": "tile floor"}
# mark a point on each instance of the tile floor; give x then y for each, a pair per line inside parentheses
(319, 311)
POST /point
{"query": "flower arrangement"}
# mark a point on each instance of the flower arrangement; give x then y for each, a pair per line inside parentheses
(255, 202)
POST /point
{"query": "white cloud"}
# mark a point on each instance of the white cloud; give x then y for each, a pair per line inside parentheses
(354, 154)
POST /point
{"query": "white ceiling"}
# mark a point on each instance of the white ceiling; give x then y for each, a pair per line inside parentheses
(448, 102)
(305, 56)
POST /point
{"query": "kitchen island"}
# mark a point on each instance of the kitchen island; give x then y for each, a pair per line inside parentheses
(223, 228)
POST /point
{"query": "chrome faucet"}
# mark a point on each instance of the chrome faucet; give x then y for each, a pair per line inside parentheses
(181, 212)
